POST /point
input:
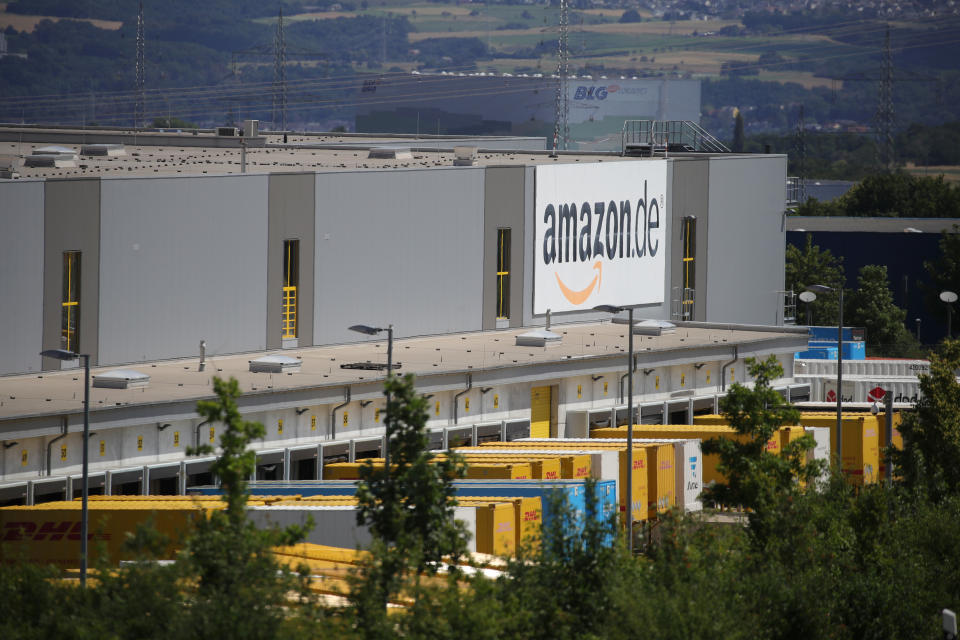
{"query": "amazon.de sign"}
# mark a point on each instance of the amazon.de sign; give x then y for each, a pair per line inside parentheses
(600, 235)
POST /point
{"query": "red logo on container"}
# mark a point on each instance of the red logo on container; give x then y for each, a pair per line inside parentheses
(831, 396)
(875, 394)
(613, 88)
(48, 531)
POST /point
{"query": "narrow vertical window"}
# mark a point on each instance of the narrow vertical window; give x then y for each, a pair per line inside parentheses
(291, 279)
(503, 274)
(689, 240)
(70, 302)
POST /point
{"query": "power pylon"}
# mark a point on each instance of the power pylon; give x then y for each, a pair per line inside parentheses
(561, 125)
(280, 75)
(139, 107)
(884, 118)
(800, 146)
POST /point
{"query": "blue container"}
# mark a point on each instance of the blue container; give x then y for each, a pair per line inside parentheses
(819, 353)
(829, 334)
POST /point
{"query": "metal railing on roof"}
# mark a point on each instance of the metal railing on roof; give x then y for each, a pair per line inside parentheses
(650, 137)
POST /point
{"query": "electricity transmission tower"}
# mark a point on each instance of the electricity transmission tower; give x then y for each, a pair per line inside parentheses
(139, 107)
(800, 145)
(280, 75)
(884, 118)
(561, 126)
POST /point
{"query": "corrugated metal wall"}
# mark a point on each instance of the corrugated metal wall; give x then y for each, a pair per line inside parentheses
(746, 239)
(401, 247)
(21, 284)
(182, 259)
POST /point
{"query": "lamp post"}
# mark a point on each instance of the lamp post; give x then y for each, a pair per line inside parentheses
(822, 288)
(372, 331)
(63, 354)
(948, 298)
(629, 476)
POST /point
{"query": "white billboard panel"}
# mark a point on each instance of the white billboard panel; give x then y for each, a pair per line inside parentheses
(599, 235)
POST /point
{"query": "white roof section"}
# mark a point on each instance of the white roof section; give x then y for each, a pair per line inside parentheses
(121, 379)
(492, 357)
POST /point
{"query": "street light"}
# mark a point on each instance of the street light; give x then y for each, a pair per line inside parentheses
(822, 288)
(372, 331)
(614, 310)
(948, 298)
(63, 354)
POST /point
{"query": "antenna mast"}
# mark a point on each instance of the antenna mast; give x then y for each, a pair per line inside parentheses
(280, 75)
(139, 107)
(561, 126)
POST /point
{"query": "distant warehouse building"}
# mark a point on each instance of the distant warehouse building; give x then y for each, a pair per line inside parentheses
(191, 256)
(492, 104)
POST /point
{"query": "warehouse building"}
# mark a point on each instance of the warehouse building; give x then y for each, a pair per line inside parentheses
(522, 104)
(171, 259)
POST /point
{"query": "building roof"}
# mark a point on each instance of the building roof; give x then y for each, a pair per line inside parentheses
(845, 224)
(439, 362)
(185, 154)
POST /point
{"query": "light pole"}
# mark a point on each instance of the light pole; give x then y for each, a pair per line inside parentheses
(629, 475)
(63, 354)
(372, 331)
(822, 288)
(948, 298)
(807, 297)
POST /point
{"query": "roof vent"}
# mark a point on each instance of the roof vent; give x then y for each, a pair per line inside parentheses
(649, 327)
(390, 153)
(50, 160)
(121, 379)
(9, 166)
(109, 150)
(538, 338)
(275, 364)
(464, 156)
(54, 150)
(228, 131)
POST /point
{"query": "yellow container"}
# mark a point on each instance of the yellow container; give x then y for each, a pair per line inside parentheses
(492, 471)
(50, 533)
(661, 486)
(517, 471)
(639, 480)
(497, 529)
(789, 434)
(572, 467)
(686, 432)
(540, 468)
(861, 442)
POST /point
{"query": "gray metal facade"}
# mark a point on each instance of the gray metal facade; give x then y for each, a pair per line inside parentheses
(182, 259)
(71, 222)
(400, 247)
(503, 208)
(21, 277)
(292, 215)
(167, 262)
(746, 239)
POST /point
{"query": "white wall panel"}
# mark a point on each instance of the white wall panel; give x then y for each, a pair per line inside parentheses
(399, 247)
(182, 259)
(21, 276)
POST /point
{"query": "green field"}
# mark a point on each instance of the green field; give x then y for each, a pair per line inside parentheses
(596, 37)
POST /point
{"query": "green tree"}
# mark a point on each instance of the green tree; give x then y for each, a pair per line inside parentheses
(931, 433)
(240, 590)
(811, 265)
(408, 507)
(871, 306)
(943, 272)
(567, 586)
(895, 194)
(757, 479)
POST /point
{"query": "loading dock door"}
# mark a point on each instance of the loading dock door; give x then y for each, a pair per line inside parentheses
(540, 405)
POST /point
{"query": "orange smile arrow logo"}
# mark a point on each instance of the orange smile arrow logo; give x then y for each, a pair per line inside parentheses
(578, 297)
